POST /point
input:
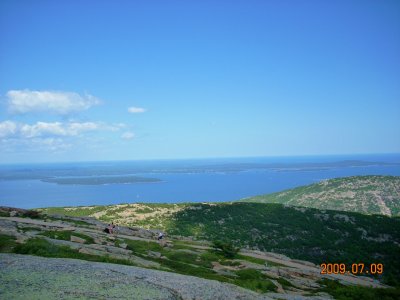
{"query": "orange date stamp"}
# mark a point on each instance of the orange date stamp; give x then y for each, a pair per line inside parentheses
(355, 269)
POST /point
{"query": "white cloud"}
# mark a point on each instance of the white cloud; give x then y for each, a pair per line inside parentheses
(136, 110)
(7, 128)
(57, 129)
(23, 101)
(128, 135)
(10, 129)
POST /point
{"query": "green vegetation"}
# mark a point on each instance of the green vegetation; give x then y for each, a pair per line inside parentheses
(148, 215)
(66, 235)
(4, 214)
(284, 282)
(142, 247)
(227, 249)
(78, 211)
(32, 214)
(200, 264)
(254, 280)
(7, 243)
(293, 231)
(345, 292)
(41, 247)
(363, 194)
(258, 260)
(291, 227)
(78, 223)
(300, 233)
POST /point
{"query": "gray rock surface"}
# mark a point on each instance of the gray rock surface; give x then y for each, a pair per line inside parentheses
(76, 239)
(32, 277)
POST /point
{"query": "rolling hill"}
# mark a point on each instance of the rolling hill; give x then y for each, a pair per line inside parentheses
(362, 194)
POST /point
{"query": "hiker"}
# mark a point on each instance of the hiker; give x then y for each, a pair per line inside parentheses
(109, 228)
(160, 236)
(115, 228)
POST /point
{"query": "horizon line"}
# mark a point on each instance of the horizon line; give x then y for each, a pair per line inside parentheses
(197, 158)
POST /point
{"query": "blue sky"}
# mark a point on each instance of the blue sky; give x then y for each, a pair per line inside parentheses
(110, 80)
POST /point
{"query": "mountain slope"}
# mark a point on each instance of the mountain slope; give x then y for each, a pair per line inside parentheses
(269, 274)
(301, 233)
(363, 194)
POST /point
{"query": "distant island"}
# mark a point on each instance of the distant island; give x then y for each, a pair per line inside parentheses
(100, 180)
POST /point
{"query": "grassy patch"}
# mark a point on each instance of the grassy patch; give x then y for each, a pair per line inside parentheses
(66, 235)
(142, 247)
(144, 210)
(344, 292)
(259, 261)
(76, 222)
(251, 259)
(185, 257)
(210, 256)
(254, 280)
(7, 243)
(227, 249)
(4, 214)
(73, 211)
(41, 247)
(285, 282)
(181, 245)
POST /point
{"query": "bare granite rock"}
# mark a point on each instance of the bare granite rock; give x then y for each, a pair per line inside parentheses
(76, 239)
(32, 277)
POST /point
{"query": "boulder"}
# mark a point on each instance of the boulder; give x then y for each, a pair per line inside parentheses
(92, 251)
(154, 254)
(76, 239)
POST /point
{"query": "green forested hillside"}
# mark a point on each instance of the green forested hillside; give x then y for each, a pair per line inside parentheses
(309, 234)
(303, 233)
(363, 194)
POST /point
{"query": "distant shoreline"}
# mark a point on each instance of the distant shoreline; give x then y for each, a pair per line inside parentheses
(95, 180)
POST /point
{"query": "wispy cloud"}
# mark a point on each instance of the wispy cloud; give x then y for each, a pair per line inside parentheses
(45, 129)
(24, 101)
(53, 144)
(136, 110)
(128, 135)
(7, 128)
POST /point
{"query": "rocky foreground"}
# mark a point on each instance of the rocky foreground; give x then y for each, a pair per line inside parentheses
(31, 277)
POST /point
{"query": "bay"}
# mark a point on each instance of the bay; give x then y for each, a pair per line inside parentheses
(200, 180)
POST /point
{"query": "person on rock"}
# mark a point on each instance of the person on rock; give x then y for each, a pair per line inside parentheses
(110, 228)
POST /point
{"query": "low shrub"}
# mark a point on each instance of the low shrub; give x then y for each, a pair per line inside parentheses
(225, 248)
(346, 292)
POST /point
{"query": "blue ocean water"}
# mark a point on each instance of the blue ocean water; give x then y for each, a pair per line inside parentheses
(208, 180)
